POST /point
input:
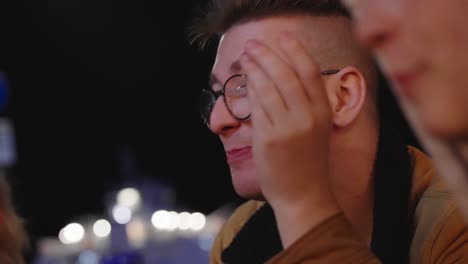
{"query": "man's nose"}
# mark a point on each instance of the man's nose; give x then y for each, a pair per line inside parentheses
(221, 121)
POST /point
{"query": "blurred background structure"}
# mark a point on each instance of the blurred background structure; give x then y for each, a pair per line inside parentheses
(107, 149)
(142, 223)
(139, 226)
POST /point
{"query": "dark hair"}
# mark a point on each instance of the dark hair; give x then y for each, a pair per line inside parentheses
(223, 14)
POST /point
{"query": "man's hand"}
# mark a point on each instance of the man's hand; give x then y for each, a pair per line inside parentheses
(291, 117)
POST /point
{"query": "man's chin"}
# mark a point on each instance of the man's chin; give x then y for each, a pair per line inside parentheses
(452, 128)
(247, 188)
(250, 195)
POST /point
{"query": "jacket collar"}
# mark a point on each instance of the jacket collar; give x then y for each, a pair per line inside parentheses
(257, 241)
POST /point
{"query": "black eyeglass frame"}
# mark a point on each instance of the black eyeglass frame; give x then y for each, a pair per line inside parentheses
(217, 94)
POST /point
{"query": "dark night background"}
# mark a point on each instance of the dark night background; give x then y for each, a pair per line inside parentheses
(89, 77)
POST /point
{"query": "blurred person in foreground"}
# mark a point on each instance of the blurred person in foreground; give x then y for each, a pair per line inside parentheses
(293, 98)
(12, 234)
(422, 48)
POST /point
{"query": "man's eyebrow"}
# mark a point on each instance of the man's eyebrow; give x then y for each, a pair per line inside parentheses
(234, 68)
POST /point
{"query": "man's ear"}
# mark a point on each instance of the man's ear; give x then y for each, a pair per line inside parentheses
(348, 96)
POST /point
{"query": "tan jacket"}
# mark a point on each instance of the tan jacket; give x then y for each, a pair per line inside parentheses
(440, 234)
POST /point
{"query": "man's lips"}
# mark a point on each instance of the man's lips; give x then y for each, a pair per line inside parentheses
(238, 154)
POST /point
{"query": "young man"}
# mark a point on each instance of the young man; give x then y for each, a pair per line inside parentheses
(293, 100)
(421, 45)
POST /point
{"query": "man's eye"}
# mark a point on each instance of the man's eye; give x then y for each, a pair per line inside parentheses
(240, 91)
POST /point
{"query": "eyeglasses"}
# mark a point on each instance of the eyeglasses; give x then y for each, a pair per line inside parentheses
(235, 98)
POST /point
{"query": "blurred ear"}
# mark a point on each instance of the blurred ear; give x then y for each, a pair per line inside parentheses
(347, 96)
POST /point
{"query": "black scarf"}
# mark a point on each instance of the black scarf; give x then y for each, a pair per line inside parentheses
(259, 240)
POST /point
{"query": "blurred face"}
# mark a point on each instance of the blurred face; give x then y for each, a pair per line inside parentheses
(236, 135)
(422, 47)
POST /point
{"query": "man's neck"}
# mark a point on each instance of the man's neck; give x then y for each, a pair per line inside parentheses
(352, 183)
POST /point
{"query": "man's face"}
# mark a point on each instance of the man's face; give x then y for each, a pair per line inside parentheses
(421, 45)
(236, 135)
